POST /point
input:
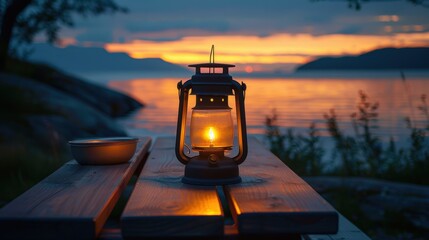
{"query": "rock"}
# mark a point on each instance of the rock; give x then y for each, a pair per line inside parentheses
(105, 100)
(58, 114)
(41, 109)
(36, 117)
(368, 186)
(391, 205)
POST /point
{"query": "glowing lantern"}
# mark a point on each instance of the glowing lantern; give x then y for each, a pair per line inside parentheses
(211, 126)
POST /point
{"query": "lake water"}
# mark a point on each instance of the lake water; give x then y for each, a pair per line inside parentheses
(299, 100)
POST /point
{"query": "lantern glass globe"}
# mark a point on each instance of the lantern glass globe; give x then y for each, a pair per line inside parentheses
(211, 128)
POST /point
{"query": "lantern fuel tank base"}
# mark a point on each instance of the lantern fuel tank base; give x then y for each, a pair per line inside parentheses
(222, 171)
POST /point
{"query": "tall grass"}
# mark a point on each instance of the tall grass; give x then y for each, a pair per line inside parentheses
(359, 154)
(301, 153)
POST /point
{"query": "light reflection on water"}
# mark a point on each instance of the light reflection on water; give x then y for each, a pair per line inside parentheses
(298, 103)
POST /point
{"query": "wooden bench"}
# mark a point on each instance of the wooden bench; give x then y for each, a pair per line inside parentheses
(72, 203)
(272, 201)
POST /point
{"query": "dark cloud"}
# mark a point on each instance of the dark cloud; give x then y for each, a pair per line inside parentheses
(95, 36)
(156, 20)
(353, 29)
(154, 26)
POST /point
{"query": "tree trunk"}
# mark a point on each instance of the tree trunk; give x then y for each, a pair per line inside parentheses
(9, 18)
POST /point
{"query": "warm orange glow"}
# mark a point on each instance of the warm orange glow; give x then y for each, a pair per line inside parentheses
(206, 126)
(211, 135)
(388, 18)
(248, 69)
(66, 41)
(278, 48)
(388, 29)
(298, 102)
(189, 57)
(418, 28)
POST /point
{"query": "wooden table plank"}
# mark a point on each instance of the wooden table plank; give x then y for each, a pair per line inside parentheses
(162, 206)
(273, 199)
(72, 203)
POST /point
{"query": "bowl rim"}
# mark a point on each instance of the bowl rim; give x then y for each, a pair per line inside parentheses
(103, 141)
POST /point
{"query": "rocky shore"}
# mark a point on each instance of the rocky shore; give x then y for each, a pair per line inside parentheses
(61, 106)
(382, 209)
(41, 110)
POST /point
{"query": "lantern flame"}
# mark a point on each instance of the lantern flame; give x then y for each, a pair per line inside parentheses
(211, 135)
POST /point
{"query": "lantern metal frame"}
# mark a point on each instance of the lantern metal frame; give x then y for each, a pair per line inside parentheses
(211, 166)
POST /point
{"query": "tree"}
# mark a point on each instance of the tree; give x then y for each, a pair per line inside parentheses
(357, 4)
(22, 20)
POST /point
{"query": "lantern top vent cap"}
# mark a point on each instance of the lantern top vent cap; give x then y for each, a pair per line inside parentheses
(225, 68)
(211, 65)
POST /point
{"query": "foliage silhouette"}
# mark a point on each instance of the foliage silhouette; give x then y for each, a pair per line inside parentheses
(22, 20)
(357, 4)
(361, 154)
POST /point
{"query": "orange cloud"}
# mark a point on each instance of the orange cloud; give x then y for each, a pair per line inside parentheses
(388, 18)
(66, 41)
(279, 48)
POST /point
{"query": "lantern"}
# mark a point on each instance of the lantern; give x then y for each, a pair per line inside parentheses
(211, 126)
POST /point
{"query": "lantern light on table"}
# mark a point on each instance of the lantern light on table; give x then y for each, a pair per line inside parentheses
(211, 126)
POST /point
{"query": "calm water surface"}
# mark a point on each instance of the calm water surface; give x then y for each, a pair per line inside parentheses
(298, 102)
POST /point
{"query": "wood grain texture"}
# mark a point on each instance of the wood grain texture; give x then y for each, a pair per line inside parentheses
(272, 199)
(72, 203)
(162, 206)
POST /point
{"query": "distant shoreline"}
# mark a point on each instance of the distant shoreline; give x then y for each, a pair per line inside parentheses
(379, 59)
(103, 77)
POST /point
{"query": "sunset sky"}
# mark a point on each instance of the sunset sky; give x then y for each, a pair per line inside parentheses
(254, 35)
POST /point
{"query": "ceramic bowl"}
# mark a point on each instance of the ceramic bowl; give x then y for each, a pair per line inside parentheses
(103, 151)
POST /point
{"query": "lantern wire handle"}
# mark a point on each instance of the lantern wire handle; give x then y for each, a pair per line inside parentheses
(212, 58)
(212, 55)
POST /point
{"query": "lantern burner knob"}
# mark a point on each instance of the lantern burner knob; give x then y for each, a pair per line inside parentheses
(213, 158)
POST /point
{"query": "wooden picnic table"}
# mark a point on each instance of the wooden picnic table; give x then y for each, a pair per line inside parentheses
(75, 201)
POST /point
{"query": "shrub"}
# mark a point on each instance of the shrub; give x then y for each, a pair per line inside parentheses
(361, 154)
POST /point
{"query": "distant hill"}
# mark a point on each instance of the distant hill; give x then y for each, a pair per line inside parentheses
(87, 59)
(380, 59)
